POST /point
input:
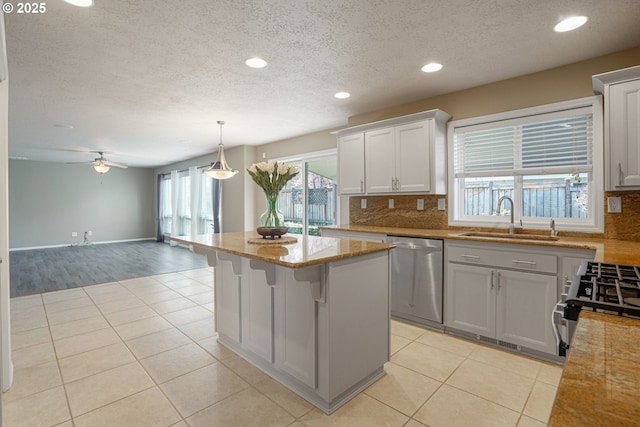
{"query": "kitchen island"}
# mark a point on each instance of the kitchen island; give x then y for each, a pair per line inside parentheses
(314, 314)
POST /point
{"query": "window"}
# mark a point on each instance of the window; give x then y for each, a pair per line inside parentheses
(547, 159)
(309, 200)
(189, 203)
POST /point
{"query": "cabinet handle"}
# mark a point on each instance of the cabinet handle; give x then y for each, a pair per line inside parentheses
(498, 285)
(515, 261)
(361, 186)
(397, 184)
(492, 272)
(469, 256)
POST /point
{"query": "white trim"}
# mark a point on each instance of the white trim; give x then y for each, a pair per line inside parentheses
(308, 156)
(596, 183)
(438, 115)
(80, 244)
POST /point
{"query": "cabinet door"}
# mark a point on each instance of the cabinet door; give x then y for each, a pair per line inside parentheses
(228, 273)
(624, 134)
(470, 299)
(351, 164)
(413, 157)
(379, 160)
(524, 305)
(257, 310)
(296, 338)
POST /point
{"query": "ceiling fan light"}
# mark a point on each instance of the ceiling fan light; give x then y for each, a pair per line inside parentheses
(220, 169)
(101, 168)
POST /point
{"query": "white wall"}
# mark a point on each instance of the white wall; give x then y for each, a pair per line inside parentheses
(48, 201)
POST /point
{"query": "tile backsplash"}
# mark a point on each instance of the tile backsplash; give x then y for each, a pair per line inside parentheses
(624, 225)
(404, 213)
(621, 226)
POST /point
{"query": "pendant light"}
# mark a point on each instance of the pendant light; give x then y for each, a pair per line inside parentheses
(220, 169)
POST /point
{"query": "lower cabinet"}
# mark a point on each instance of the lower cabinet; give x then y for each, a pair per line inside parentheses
(523, 302)
(503, 304)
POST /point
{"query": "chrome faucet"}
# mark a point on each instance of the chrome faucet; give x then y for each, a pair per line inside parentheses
(511, 226)
(553, 232)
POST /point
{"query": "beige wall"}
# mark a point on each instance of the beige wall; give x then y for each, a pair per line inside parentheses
(557, 84)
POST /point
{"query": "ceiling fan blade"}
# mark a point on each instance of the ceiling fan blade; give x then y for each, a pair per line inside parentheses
(117, 165)
(80, 163)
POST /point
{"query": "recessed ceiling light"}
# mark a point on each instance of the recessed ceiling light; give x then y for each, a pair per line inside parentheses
(342, 95)
(432, 67)
(256, 63)
(570, 23)
(59, 125)
(80, 3)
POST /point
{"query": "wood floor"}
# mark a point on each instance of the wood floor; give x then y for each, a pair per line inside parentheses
(44, 270)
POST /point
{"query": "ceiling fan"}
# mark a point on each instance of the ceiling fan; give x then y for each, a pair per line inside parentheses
(101, 164)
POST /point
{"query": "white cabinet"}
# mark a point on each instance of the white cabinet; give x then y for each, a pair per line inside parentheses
(405, 154)
(351, 164)
(380, 161)
(523, 307)
(621, 91)
(398, 159)
(503, 293)
(470, 300)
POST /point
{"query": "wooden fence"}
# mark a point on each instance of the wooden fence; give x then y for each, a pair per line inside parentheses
(542, 200)
(321, 206)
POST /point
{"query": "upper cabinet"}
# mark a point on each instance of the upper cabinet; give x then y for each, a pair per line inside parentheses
(351, 173)
(405, 154)
(621, 90)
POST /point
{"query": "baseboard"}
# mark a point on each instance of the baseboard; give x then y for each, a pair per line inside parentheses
(81, 244)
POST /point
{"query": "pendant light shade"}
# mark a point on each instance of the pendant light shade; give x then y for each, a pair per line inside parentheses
(220, 169)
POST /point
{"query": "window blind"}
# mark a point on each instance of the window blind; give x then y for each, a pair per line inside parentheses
(559, 142)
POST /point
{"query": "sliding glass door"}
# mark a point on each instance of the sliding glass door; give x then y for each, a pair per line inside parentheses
(309, 201)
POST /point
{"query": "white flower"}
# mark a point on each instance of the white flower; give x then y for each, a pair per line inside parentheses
(271, 167)
(283, 169)
(292, 169)
(253, 168)
(262, 166)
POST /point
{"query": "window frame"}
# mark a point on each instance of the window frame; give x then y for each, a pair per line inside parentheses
(595, 221)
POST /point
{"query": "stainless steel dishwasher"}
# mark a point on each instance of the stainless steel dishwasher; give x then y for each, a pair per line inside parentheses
(416, 279)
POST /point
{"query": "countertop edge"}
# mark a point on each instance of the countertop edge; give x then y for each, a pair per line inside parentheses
(606, 250)
(378, 247)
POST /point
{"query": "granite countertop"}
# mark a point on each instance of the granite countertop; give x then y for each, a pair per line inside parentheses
(307, 251)
(601, 377)
(607, 250)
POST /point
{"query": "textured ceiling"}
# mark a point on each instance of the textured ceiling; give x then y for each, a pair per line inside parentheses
(146, 81)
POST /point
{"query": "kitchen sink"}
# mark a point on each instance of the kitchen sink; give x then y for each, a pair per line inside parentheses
(509, 236)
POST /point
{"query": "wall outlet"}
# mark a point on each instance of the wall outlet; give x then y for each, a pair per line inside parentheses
(442, 204)
(420, 204)
(614, 204)
(89, 233)
(363, 203)
(74, 234)
(391, 204)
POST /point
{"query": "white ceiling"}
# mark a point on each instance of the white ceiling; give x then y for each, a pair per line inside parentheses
(145, 81)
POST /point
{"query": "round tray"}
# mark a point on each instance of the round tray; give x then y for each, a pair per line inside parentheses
(284, 240)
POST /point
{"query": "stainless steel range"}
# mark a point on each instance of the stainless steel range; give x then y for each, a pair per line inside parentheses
(602, 287)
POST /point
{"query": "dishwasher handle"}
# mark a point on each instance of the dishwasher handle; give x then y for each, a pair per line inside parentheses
(413, 246)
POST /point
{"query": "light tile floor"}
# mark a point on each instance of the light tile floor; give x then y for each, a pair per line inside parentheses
(143, 352)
